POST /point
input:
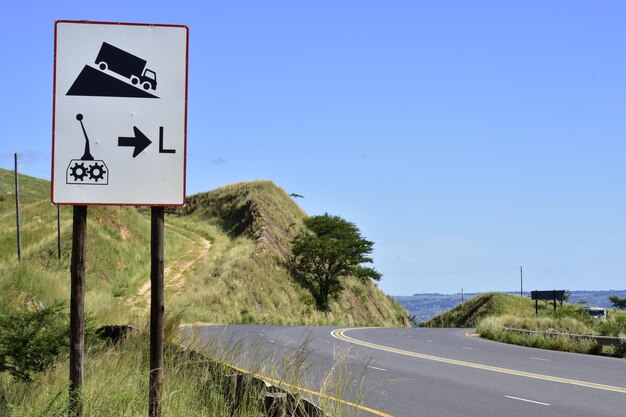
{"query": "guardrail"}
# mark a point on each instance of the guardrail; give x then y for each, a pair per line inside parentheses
(278, 401)
(601, 340)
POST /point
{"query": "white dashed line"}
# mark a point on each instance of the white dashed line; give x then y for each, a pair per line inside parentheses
(540, 359)
(378, 369)
(525, 400)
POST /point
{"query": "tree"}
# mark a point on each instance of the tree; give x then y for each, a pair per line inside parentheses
(618, 302)
(327, 251)
(566, 296)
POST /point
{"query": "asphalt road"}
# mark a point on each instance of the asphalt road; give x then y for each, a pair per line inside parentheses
(428, 372)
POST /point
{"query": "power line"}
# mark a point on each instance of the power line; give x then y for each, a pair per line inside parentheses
(21, 158)
(492, 279)
(453, 272)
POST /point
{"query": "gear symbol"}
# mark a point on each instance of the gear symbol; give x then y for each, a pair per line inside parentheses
(78, 171)
(96, 172)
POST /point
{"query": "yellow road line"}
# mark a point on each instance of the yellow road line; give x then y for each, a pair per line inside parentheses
(280, 383)
(284, 384)
(340, 334)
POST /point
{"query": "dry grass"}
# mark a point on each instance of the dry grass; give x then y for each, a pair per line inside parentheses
(241, 278)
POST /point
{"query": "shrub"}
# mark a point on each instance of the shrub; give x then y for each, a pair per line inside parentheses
(493, 328)
(33, 336)
(614, 326)
(30, 339)
(620, 350)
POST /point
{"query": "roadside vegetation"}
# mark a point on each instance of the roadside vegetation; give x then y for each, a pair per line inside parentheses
(227, 256)
(117, 383)
(494, 314)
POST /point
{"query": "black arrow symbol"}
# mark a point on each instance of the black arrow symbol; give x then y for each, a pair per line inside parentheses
(139, 141)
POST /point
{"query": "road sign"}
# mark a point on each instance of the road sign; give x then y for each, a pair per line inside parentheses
(120, 114)
(547, 295)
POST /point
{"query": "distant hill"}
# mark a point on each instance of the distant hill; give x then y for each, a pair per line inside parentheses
(472, 311)
(425, 306)
(595, 298)
(428, 305)
(225, 260)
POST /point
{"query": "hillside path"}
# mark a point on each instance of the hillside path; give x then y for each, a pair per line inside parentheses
(174, 273)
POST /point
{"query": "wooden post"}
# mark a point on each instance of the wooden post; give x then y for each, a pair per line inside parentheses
(17, 211)
(275, 404)
(230, 392)
(77, 309)
(235, 388)
(296, 407)
(521, 282)
(58, 232)
(157, 311)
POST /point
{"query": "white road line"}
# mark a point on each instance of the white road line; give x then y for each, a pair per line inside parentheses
(429, 341)
(378, 369)
(467, 348)
(540, 359)
(525, 400)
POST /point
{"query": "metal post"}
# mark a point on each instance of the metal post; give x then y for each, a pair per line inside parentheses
(157, 311)
(77, 309)
(17, 211)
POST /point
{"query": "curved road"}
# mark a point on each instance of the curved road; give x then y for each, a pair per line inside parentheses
(435, 372)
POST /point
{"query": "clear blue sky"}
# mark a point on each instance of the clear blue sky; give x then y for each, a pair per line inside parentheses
(466, 139)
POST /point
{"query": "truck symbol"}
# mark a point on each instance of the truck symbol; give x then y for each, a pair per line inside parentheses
(127, 65)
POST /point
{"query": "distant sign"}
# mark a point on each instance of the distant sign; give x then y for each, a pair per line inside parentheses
(547, 295)
(120, 114)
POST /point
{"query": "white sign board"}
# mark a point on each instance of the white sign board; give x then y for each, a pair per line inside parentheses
(120, 114)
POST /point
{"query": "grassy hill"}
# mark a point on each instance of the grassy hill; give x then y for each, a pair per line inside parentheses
(426, 306)
(493, 313)
(471, 312)
(225, 253)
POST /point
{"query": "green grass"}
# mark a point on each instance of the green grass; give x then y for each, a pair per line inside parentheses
(225, 259)
(116, 380)
(493, 328)
(471, 312)
(117, 385)
(240, 278)
(492, 313)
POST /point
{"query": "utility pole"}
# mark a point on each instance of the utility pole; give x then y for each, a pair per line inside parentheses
(17, 211)
(521, 282)
(462, 299)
